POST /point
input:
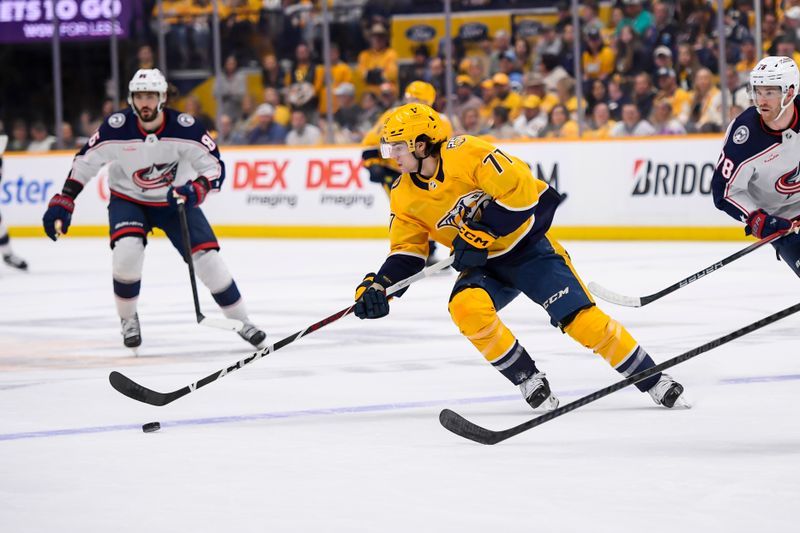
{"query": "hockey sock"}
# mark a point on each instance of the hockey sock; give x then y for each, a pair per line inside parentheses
(5, 247)
(608, 338)
(473, 312)
(214, 274)
(127, 260)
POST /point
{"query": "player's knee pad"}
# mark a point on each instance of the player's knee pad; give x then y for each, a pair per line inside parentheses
(211, 270)
(473, 311)
(602, 334)
(128, 259)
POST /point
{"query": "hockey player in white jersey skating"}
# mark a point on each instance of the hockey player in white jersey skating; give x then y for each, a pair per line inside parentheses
(758, 173)
(9, 257)
(155, 155)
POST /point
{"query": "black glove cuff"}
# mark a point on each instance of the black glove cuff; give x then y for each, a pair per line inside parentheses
(72, 188)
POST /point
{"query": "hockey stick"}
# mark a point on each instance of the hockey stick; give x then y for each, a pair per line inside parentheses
(469, 430)
(640, 301)
(220, 323)
(133, 390)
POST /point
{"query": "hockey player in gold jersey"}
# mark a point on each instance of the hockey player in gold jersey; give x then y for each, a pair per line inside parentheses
(488, 208)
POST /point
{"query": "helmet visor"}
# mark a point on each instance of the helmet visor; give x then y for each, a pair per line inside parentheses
(393, 150)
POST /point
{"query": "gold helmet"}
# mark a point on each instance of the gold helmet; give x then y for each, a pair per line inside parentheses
(420, 91)
(406, 123)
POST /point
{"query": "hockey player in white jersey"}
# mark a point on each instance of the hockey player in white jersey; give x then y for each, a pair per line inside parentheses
(758, 173)
(155, 155)
(9, 257)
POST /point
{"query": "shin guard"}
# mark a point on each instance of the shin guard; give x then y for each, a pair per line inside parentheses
(608, 338)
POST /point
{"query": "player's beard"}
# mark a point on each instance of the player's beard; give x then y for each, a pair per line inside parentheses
(147, 114)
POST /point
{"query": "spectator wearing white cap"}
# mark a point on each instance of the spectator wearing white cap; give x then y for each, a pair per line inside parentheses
(266, 131)
(662, 58)
(348, 114)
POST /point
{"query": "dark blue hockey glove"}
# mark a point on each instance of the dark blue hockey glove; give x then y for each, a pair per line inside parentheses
(761, 224)
(193, 192)
(471, 246)
(59, 210)
(382, 175)
(371, 300)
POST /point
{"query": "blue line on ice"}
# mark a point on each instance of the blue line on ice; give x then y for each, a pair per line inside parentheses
(338, 410)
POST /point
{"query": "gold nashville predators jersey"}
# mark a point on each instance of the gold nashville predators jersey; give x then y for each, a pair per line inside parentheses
(470, 174)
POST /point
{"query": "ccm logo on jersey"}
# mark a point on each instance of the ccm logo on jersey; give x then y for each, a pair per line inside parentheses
(550, 301)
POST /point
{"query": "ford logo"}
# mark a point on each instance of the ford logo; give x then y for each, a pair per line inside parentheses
(473, 31)
(528, 28)
(420, 33)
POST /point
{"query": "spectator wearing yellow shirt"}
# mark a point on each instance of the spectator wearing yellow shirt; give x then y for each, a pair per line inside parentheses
(340, 73)
(565, 92)
(748, 61)
(487, 96)
(378, 63)
(560, 126)
(504, 96)
(533, 84)
(668, 90)
(600, 124)
(281, 113)
(598, 59)
(785, 46)
(769, 30)
(705, 117)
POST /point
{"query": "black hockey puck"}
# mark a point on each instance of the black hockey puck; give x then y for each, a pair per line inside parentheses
(150, 427)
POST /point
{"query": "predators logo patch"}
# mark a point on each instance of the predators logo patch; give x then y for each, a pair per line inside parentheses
(465, 209)
(455, 142)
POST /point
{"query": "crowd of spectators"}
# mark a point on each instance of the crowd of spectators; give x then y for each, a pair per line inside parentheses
(651, 68)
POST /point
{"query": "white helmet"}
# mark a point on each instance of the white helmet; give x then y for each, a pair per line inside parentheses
(775, 71)
(148, 80)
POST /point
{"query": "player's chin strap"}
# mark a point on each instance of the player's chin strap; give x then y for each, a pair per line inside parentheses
(784, 107)
(429, 150)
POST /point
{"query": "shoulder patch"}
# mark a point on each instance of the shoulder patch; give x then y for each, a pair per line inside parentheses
(185, 120)
(116, 120)
(741, 135)
(455, 142)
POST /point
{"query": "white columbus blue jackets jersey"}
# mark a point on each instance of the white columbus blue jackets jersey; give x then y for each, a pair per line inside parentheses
(759, 168)
(142, 166)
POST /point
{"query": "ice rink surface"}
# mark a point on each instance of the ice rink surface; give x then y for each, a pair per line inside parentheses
(339, 431)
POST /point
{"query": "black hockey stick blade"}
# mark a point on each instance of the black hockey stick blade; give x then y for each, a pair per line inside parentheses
(640, 301)
(469, 430)
(133, 390)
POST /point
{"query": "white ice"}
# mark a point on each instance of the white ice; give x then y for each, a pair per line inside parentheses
(339, 431)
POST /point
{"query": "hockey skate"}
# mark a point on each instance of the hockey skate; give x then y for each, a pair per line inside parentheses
(668, 392)
(131, 331)
(15, 261)
(252, 334)
(536, 391)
